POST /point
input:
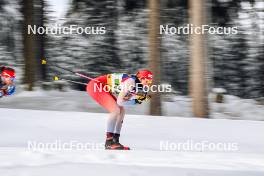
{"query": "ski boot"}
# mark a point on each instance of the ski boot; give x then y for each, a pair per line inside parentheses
(112, 143)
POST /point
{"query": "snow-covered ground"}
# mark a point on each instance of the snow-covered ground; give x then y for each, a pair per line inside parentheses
(232, 108)
(146, 135)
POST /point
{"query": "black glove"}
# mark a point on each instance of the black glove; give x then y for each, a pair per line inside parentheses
(138, 102)
(140, 99)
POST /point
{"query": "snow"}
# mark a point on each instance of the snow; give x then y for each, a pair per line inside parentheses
(232, 108)
(141, 132)
(58, 7)
(219, 90)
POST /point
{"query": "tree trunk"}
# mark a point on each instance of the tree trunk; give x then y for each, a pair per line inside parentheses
(41, 40)
(154, 51)
(28, 42)
(198, 83)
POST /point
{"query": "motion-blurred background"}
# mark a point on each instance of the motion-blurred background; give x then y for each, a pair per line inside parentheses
(234, 64)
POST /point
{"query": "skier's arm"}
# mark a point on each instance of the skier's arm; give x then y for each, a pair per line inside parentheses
(2, 90)
(124, 97)
(1, 93)
(10, 90)
(7, 90)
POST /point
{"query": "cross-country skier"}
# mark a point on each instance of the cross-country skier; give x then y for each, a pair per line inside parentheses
(7, 78)
(119, 90)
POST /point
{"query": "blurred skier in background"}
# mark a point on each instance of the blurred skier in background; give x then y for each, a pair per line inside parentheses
(113, 92)
(7, 78)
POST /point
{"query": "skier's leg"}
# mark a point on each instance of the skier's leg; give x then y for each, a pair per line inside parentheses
(119, 124)
(106, 100)
(118, 127)
(112, 121)
(119, 121)
(102, 97)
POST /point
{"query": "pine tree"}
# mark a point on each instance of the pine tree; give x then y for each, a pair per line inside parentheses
(40, 20)
(28, 43)
(8, 32)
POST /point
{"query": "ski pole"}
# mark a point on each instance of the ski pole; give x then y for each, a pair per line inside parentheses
(56, 78)
(44, 62)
